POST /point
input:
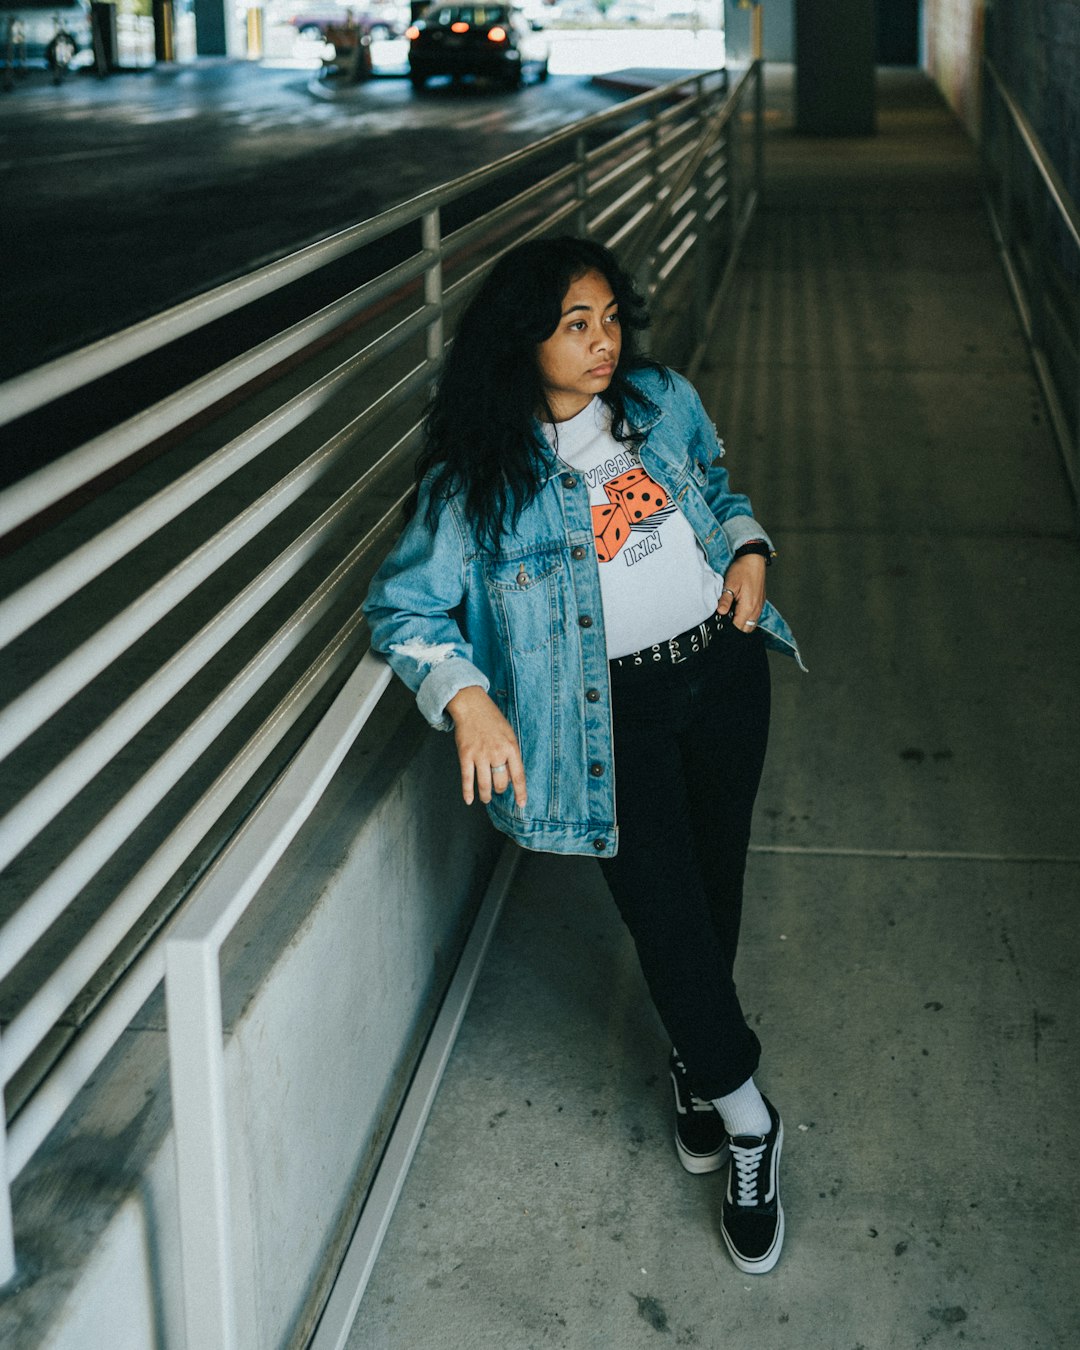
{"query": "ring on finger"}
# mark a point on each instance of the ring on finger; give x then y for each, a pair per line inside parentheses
(728, 591)
(500, 768)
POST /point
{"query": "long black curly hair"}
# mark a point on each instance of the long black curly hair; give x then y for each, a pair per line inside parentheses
(482, 436)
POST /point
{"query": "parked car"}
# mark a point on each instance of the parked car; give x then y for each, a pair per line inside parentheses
(318, 22)
(32, 31)
(484, 40)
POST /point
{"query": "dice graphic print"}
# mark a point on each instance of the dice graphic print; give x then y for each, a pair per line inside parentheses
(637, 494)
(610, 529)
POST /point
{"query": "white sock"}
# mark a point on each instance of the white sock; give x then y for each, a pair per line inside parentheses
(744, 1111)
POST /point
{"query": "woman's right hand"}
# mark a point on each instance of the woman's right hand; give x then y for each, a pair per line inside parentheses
(487, 748)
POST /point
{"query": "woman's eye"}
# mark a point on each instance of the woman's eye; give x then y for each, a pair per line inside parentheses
(612, 318)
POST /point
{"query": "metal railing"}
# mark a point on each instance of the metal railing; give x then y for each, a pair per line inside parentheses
(141, 739)
(1037, 228)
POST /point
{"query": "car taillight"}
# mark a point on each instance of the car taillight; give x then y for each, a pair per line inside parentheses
(496, 34)
(412, 33)
(459, 27)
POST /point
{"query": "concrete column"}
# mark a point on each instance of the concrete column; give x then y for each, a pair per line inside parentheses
(834, 74)
(777, 25)
(164, 45)
(210, 28)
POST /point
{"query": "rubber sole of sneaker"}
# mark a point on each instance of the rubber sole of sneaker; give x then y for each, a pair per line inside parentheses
(700, 1164)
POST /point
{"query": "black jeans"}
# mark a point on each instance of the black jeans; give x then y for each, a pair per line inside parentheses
(689, 748)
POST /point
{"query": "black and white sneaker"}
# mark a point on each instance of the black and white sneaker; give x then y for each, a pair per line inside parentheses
(700, 1138)
(752, 1217)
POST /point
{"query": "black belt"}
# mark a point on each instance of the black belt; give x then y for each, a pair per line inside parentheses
(678, 649)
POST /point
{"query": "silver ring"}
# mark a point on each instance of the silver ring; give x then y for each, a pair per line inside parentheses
(727, 591)
(751, 623)
(500, 768)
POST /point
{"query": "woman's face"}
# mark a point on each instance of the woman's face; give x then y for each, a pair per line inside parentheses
(578, 360)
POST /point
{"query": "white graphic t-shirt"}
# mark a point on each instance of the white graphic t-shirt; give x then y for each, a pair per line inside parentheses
(655, 580)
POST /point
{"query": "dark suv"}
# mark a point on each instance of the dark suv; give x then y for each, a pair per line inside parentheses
(493, 40)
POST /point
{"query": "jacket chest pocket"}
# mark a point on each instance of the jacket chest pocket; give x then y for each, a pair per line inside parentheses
(526, 594)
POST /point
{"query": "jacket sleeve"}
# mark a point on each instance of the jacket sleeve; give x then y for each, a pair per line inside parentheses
(411, 607)
(731, 509)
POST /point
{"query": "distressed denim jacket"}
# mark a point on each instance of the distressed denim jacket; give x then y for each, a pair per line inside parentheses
(526, 623)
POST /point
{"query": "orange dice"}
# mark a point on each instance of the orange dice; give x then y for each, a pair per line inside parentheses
(610, 529)
(637, 494)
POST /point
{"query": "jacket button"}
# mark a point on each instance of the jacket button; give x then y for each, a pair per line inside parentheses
(569, 481)
(599, 845)
(597, 770)
(577, 553)
(585, 621)
(593, 695)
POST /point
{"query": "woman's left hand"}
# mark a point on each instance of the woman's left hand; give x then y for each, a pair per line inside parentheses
(744, 591)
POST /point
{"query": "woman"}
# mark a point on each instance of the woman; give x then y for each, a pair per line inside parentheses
(577, 590)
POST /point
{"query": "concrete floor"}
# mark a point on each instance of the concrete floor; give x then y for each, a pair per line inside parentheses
(911, 939)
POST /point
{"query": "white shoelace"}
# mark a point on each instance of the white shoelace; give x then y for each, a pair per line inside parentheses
(747, 1165)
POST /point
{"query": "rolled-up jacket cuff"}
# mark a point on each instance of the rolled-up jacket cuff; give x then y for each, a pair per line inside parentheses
(440, 685)
(739, 530)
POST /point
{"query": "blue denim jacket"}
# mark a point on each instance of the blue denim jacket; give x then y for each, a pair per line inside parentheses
(526, 623)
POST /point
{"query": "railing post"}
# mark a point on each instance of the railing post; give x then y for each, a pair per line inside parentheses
(703, 253)
(986, 137)
(1039, 269)
(1074, 471)
(648, 270)
(1006, 187)
(431, 238)
(759, 127)
(735, 176)
(7, 1227)
(197, 1077)
(581, 187)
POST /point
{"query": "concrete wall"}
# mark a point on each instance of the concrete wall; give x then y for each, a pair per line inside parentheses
(331, 983)
(1036, 49)
(954, 47)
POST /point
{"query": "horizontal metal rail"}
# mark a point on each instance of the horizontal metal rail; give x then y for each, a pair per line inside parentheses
(86, 1053)
(40, 490)
(50, 589)
(1055, 184)
(30, 709)
(43, 906)
(180, 598)
(1036, 225)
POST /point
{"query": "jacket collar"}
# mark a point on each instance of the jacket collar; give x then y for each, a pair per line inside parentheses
(651, 412)
(647, 414)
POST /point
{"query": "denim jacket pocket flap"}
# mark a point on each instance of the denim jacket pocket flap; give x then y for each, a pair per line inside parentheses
(526, 594)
